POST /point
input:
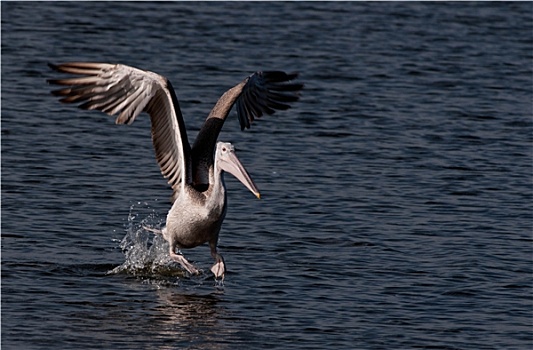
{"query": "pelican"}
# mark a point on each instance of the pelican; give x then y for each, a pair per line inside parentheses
(195, 173)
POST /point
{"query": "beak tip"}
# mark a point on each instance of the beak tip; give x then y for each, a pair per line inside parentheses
(258, 195)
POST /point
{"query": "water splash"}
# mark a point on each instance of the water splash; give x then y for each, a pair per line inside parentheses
(146, 253)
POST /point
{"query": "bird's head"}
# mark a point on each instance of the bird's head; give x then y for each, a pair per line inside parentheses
(227, 160)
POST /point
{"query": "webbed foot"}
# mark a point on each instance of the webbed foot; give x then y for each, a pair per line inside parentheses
(185, 263)
(219, 269)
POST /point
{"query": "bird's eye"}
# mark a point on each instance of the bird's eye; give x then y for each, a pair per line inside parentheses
(224, 149)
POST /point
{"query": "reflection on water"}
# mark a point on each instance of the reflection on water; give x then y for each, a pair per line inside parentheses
(171, 318)
(192, 319)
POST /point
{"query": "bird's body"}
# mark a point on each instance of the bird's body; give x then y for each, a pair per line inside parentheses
(194, 173)
(195, 218)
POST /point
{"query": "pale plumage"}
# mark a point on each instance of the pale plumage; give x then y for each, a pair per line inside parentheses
(195, 174)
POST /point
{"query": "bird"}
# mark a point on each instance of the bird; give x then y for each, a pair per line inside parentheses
(195, 173)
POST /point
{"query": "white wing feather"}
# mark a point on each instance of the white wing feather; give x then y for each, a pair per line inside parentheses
(128, 91)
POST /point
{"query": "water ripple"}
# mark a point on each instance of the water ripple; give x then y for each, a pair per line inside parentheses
(396, 195)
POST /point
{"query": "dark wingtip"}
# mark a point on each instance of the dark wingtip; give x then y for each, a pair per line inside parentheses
(53, 66)
(56, 68)
(59, 92)
(293, 75)
(278, 76)
(53, 81)
(265, 92)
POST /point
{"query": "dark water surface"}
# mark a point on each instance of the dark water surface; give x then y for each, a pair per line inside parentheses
(396, 210)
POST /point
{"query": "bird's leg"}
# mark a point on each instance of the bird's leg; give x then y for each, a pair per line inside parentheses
(184, 262)
(219, 269)
(153, 230)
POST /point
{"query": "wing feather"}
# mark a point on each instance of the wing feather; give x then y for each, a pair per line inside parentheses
(128, 91)
(260, 93)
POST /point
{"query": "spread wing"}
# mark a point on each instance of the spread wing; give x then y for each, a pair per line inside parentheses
(260, 93)
(265, 92)
(125, 91)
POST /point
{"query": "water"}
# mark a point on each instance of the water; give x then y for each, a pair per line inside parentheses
(396, 195)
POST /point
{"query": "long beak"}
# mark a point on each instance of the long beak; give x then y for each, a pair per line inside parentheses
(233, 165)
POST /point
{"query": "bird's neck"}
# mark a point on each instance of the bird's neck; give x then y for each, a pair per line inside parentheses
(217, 197)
